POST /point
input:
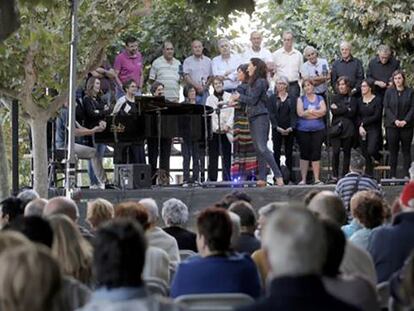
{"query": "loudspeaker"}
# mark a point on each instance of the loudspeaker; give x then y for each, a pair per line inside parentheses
(132, 176)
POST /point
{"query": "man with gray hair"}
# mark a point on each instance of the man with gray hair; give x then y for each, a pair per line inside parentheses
(158, 237)
(294, 241)
(35, 207)
(175, 215)
(317, 70)
(348, 66)
(380, 69)
(27, 195)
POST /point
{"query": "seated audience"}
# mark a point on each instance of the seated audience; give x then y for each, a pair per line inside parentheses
(217, 270)
(232, 197)
(30, 279)
(352, 289)
(158, 237)
(327, 205)
(157, 262)
(11, 208)
(391, 245)
(27, 195)
(175, 215)
(369, 212)
(119, 258)
(294, 241)
(35, 207)
(98, 212)
(73, 251)
(247, 242)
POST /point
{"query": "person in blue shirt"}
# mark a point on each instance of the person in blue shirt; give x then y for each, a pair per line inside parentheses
(217, 269)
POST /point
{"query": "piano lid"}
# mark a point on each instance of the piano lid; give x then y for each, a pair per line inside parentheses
(150, 104)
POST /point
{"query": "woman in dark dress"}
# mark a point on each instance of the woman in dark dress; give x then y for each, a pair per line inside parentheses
(370, 121)
(343, 109)
(399, 121)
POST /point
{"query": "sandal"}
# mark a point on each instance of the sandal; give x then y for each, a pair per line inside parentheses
(302, 182)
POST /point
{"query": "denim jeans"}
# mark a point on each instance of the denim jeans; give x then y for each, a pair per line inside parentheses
(259, 130)
(201, 99)
(100, 151)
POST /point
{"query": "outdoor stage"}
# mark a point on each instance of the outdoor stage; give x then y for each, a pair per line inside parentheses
(198, 198)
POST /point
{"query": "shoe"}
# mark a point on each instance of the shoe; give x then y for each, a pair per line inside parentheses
(302, 182)
(261, 183)
(318, 182)
(279, 181)
(100, 186)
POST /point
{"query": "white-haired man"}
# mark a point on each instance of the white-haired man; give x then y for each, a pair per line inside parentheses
(295, 245)
(158, 237)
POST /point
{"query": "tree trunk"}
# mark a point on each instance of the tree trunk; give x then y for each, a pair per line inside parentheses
(38, 127)
(4, 172)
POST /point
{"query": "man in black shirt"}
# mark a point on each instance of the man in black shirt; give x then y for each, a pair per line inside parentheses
(380, 69)
(349, 66)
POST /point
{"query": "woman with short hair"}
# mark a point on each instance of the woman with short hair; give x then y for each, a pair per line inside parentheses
(98, 212)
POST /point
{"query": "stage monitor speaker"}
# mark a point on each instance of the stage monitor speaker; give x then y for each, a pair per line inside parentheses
(393, 181)
(132, 176)
(229, 184)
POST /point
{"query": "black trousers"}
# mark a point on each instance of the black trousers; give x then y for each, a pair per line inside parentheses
(294, 90)
(279, 140)
(126, 153)
(346, 144)
(370, 148)
(395, 136)
(153, 155)
(214, 152)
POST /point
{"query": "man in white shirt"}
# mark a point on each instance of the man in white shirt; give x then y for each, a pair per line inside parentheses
(225, 65)
(256, 50)
(287, 62)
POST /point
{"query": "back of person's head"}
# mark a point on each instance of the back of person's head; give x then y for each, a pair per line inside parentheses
(119, 254)
(152, 209)
(30, 279)
(35, 207)
(133, 210)
(62, 205)
(294, 242)
(10, 239)
(174, 212)
(27, 196)
(407, 196)
(246, 214)
(357, 163)
(368, 208)
(11, 208)
(215, 226)
(327, 205)
(232, 197)
(35, 228)
(310, 195)
(71, 249)
(335, 248)
(235, 228)
(99, 211)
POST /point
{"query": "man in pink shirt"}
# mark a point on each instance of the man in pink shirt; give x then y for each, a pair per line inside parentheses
(128, 66)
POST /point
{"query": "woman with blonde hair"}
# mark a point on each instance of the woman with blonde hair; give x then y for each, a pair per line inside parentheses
(99, 211)
(71, 249)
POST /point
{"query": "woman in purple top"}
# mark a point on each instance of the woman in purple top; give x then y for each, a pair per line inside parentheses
(310, 127)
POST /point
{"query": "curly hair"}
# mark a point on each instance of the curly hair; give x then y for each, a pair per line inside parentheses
(174, 212)
(368, 208)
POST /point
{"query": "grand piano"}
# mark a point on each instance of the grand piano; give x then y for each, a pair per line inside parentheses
(158, 118)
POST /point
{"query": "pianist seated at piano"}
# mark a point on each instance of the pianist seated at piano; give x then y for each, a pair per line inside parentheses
(125, 106)
(220, 144)
(190, 148)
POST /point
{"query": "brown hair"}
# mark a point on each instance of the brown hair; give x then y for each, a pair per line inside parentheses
(134, 210)
(368, 208)
(396, 73)
(89, 86)
(215, 225)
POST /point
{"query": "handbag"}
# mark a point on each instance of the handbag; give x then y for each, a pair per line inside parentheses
(335, 130)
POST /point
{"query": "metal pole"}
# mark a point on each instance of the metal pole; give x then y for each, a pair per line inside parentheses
(70, 163)
(15, 146)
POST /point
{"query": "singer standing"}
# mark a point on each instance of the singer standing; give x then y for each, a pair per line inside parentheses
(255, 101)
(317, 70)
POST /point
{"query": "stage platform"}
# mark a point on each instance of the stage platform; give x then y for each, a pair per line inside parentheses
(198, 198)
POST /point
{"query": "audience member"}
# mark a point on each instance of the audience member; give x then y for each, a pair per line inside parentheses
(294, 241)
(175, 216)
(35, 228)
(158, 237)
(235, 229)
(118, 261)
(73, 251)
(157, 262)
(352, 289)
(247, 242)
(288, 62)
(355, 181)
(98, 212)
(233, 272)
(369, 212)
(197, 71)
(317, 70)
(225, 65)
(349, 66)
(11, 208)
(356, 261)
(391, 245)
(35, 207)
(27, 196)
(235, 195)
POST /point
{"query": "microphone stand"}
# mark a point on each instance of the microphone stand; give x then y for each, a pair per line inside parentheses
(218, 112)
(206, 158)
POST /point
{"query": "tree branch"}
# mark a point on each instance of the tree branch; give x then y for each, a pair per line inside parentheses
(57, 103)
(30, 80)
(9, 93)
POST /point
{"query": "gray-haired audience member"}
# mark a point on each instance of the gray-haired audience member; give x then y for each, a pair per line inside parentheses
(28, 195)
(247, 242)
(327, 205)
(294, 241)
(235, 228)
(158, 237)
(175, 215)
(35, 207)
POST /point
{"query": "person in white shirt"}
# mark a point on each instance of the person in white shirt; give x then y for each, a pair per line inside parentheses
(256, 50)
(225, 65)
(220, 144)
(287, 62)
